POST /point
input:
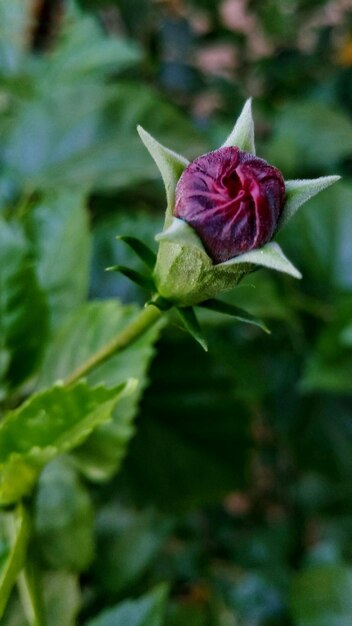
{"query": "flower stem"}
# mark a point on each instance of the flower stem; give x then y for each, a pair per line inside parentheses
(145, 320)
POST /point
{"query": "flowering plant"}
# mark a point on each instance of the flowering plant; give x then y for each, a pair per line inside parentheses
(222, 211)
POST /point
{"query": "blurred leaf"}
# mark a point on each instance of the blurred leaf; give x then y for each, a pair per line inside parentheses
(149, 610)
(322, 596)
(62, 598)
(48, 424)
(18, 524)
(14, 20)
(23, 310)
(329, 367)
(128, 543)
(309, 137)
(58, 228)
(89, 329)
(63, 518)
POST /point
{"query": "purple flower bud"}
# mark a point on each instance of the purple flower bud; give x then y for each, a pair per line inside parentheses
(232, 199)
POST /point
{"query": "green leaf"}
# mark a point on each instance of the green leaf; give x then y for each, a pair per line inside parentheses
(48, 424)
(18, 524)
(63, 518)
(23, 310)
(242, 134)
(239, 314)
(128, 543)
(191, 324)
(322, 596)
(149, 610)
(181, 233)
(270, 256)
(299, 191)
(142, 251)
(15, 20)
(170, 165)
(92, 326)
(59, 231)
(62, 598)
(146, 282)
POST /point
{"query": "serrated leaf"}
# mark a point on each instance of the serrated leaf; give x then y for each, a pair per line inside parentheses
(170, 165)
(239, 314)
(181, 233)
(242, 134)
(191, 324)
(92, 326)
(18, 524)
(143, 252)
(300, 191)
(48, 424)
(23, 309)
(270, 256)
(58, 228)
(149, 610)
(146, 282)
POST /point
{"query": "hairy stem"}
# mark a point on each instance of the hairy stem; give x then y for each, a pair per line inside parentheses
(145, 320)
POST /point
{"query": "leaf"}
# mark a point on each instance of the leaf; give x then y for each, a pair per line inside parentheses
(15, 20)
(23, 309)
(322, 596)
(63, 518)
(59, 231)
(181, 233)
(169, 163)
(93, 325)
(299, 191)
(48, 424)
(18, 524)
(62, 598)
(270, 256)
(149, 610)
(142, 251)
(239, 314)
(242, 134)
(128, 544)
(146, 282)
(191, 324)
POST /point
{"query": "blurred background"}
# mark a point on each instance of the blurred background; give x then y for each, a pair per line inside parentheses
(237, 486)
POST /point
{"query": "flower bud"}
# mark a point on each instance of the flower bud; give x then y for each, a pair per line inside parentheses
(232, 199)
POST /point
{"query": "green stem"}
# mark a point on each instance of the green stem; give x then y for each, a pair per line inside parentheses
(145, 320)
(31, 595)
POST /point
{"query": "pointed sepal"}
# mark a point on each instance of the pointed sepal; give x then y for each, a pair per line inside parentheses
(181, 233)
(242, 134)
(170, 164)
(270, 256)
(146, 282)
(219, 306)
(299, 191)
(191, 324)
(142, 251)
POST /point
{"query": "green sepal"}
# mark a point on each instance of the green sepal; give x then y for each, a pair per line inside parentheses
(182, 233)
(161, 303)
(239, 314)
(191, 324)
(270, 256)
(146, 282)
(300, 191)
(170, 164)
(242, 134)
(143, 252)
